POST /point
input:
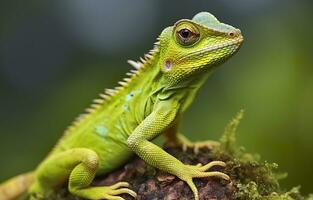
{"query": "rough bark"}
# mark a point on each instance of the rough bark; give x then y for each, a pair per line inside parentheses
(151, 183)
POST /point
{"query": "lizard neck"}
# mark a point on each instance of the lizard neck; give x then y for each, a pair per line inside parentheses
(184, 90)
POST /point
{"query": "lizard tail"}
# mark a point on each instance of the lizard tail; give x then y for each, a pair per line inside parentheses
(16, 186)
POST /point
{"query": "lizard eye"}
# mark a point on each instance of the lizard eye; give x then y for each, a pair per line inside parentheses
(187, 35)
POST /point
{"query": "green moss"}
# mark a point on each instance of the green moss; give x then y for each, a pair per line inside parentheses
(253, 178)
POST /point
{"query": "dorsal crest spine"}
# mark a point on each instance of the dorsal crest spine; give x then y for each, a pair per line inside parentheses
(109, 94)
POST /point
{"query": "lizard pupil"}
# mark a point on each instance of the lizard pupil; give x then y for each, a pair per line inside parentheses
(185, 33)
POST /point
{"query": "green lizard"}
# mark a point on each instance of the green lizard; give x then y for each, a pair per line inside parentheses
(124, 121)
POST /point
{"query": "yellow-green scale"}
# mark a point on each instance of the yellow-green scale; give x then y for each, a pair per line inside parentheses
(106, 130)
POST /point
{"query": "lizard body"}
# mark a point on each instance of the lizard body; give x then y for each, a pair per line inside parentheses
(148, 103)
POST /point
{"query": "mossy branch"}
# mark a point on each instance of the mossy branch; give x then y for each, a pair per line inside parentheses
(251, 179)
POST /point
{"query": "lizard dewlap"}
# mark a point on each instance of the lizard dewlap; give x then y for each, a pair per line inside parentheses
(148, 103)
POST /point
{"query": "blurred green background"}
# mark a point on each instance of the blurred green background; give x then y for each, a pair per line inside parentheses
(55, 56)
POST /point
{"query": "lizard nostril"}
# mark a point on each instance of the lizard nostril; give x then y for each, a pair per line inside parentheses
(234, 33)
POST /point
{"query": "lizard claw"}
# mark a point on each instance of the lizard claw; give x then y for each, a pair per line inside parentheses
(186, 144)
(196, 146)
(121, 188)
(200, 171)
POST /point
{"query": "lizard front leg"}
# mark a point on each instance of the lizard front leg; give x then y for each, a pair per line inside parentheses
(158, 121)
(78, 167)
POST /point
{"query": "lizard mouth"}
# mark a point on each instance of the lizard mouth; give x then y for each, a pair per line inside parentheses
(235, 43)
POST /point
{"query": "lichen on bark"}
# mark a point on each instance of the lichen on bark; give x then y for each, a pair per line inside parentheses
(251, 178)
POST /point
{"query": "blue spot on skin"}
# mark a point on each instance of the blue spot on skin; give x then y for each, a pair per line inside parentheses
(130, 96)
(102, 130)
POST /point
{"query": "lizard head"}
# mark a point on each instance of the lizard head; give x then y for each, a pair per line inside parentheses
(197, 46)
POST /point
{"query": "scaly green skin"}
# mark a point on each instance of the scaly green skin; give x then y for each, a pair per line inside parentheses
(149, 103)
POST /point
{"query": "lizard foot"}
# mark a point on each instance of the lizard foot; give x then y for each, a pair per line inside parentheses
(200, 171)
(108, 192)
(117, 189)
(185, 144)
(196, 146)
